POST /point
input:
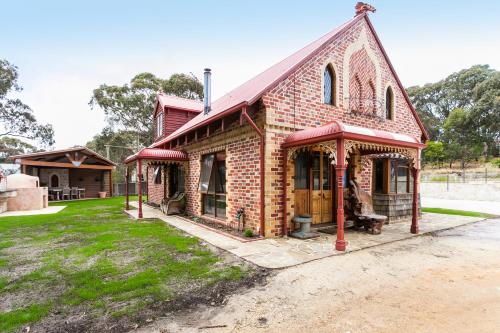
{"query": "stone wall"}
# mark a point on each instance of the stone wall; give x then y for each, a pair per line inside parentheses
(46, 174)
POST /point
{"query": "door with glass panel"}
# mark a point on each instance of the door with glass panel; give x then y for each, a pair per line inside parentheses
(321, 187)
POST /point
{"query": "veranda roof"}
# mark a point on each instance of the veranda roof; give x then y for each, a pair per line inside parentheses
(158, 155)
(336, 129)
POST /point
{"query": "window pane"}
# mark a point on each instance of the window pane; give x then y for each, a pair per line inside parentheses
(388, 103)
(221, 206)
(157, 175)
(379, 176)
(221, 177)
(206, 171)
(327, 87)
(326, 172)
(411, 182)
(315, 171)
(301, 178)
(393, 177)
(402, 179)
(209, 204)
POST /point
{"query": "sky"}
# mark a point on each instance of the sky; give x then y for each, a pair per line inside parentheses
(65, 49)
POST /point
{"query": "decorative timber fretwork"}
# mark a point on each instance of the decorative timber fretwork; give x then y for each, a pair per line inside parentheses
(329, 147)
(352, 146)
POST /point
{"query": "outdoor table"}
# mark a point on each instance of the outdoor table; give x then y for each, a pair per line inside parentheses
(57, 193)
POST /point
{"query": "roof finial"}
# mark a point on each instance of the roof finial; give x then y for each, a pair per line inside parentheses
(362, 7)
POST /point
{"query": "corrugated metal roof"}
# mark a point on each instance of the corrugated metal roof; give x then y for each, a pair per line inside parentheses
(253, 89)
(179, 103)
(158, 154)
(85, 150)
(317, 134)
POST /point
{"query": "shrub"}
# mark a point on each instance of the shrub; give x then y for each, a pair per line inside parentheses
(496, 162)
(248, 233)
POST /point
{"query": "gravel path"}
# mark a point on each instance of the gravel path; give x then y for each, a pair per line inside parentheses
(449, 282)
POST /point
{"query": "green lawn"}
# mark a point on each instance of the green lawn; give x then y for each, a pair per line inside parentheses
(91, 258)
(455, 212)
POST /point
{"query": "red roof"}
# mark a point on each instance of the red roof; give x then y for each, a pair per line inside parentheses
(179, 103)
(250, 91)
(336, 129)
(157, 154)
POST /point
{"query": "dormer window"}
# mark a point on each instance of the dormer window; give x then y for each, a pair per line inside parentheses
(389, 104)
(329, 83)
(159, 125)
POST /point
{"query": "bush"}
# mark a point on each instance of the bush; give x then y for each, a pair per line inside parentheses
(248, 233)
(496, 162)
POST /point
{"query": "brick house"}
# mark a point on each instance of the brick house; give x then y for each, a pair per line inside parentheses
(288, 141)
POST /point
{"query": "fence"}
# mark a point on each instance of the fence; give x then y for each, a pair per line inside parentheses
(119, 189)
(468, 177)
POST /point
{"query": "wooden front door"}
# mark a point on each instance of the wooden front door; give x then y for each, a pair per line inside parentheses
(321, 188)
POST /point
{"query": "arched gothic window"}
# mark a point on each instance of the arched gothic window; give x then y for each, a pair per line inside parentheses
(329, 83)
(389, 104)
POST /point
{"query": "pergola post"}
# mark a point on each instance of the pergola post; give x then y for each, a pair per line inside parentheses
(284, 227)
(139, 181)
(147, 183)
(340, 167)
(127, 180)
(415, 213)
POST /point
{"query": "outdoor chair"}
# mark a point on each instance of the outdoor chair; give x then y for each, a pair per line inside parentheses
(81, 193)
(66, 193)
(364, 213)
(74, 193)
(164, 202)
(175, 205)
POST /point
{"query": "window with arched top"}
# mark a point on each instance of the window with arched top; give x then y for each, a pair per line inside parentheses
(329, 84)
(54, 181)
(389, 104)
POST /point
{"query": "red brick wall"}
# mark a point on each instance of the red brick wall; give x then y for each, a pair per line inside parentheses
(297, 103)
(155, 191)
(242, 174)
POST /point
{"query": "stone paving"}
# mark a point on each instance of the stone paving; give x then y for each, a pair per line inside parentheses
(47, 210)
(286, 252)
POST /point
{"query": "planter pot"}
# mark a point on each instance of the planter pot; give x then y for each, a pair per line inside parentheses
(102, 195)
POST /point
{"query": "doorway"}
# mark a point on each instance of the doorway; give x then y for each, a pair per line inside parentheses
(313, 185)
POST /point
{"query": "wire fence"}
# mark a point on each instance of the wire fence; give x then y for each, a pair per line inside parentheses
(133, 188)
(468, 177)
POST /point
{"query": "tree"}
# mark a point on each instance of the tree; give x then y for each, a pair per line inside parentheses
(16, 118)
(121, 144)
(130, 107)
(434, 153)
(462, 141)
(13, 146)
(486, 111)
(435, 101)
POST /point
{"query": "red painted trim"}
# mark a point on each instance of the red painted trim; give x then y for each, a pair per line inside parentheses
(127, 181)
(353, 136)
(284, 225)
(414, 220)
(261, 167)
(139, 190)
(340, 243)
(200, 124)
(405, 94)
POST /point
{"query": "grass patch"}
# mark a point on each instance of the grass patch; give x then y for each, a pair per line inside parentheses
(455, 212)
(15, 318)
(92, 255)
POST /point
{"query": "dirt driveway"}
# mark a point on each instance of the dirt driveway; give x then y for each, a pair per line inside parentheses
(448, 282)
